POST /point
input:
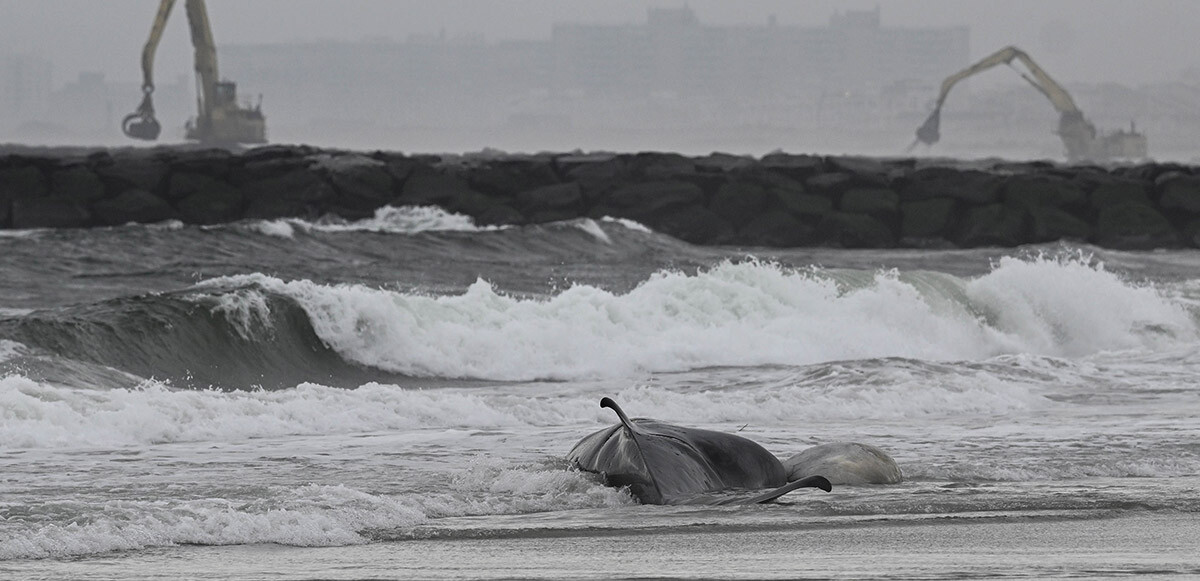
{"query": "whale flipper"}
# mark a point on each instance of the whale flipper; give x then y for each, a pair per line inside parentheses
(771, 495)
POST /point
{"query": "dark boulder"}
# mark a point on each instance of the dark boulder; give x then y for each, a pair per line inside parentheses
(661, 166)
(991, 225)
(878, 202)
(215, 206)
(810, 208)
(133, 206)
(1047, 224)
(296, 195)
(268, 168)
(361, 183)
(77, 183)
(143, 172)
(429, 187)
(186, 184)
(50, 212)
(214, 162)
(865, 171)
(798, 167)
(971, 186)
(19, 183)
(738, 202)
(1028, 191)
(829, 184)
(724, 163)
(857, 165)
(1119, 191)
(1191, 234)
(506, 179)
(276, 151)
(646, 201)
(596, 176)
(563, 197)
(854, 231)
(426, 187)
(926, 218)
(22, 182)
(1180, 193)
(1134, 226)
(775, 229)
(696, 225)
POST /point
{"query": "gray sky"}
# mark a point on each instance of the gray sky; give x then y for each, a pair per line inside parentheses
(1124, 41)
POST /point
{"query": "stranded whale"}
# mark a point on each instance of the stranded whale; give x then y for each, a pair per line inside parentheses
(667, 464)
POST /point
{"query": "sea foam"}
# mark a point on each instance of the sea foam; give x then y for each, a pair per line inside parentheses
(738, 314)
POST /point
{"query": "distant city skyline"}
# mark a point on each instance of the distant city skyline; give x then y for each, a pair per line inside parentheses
(1078, 40)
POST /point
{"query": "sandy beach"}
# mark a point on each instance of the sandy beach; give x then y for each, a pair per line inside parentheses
(1149, 546)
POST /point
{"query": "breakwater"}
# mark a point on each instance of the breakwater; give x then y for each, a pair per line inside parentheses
(777, 200)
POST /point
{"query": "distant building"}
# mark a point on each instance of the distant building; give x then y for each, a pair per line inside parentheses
(672, 69)
(674, 52)
(25, 85)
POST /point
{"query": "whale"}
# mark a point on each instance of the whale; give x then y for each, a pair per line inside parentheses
(662, 463)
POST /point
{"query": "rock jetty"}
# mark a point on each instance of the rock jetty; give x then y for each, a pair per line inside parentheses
(777, 200)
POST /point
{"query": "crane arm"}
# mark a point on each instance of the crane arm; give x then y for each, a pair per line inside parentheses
(148, 51)
(1062, 101)
(141, 124)
(1058, 96)
(206, 56)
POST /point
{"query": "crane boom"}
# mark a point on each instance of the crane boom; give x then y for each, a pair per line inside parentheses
(1077, 133)
(156, 31)
(219, 120)
(206, 55)
(141, 124)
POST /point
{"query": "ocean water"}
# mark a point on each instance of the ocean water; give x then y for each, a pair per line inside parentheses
(394, 398)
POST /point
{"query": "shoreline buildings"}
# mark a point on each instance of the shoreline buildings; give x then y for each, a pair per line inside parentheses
(672, 77)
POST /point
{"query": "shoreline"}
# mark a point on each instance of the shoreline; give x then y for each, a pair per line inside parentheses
(1131, 543)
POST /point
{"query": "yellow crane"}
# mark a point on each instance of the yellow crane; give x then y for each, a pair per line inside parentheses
(220, 120)
(1079, 136)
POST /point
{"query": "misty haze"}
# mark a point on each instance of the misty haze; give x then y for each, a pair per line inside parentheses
(599, 289)
(824, 77)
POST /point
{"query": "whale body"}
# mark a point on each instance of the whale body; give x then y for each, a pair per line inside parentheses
(667, 464)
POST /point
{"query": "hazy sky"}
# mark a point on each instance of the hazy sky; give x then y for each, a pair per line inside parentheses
(1125, 41)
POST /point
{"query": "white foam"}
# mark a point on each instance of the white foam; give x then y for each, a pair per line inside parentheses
(592, 228)
(247, 310)
(626, 222)
(1069, 307)
(308, 516)
(744, 314)
(43, 415)
(10, 349)
(281, 228)
(403, 220)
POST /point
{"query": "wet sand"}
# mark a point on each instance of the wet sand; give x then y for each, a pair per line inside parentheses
(1144, 545)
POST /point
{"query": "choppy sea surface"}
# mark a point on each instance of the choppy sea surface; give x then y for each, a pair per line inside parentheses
(409, 385)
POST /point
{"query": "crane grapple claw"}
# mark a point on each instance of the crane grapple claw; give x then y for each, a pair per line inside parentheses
(928, 132)
(141, 126)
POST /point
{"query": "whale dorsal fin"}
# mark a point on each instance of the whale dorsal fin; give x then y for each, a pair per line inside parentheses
(635, 434)
(607, 402)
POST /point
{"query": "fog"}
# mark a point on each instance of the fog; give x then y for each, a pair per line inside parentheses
(343, 73)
